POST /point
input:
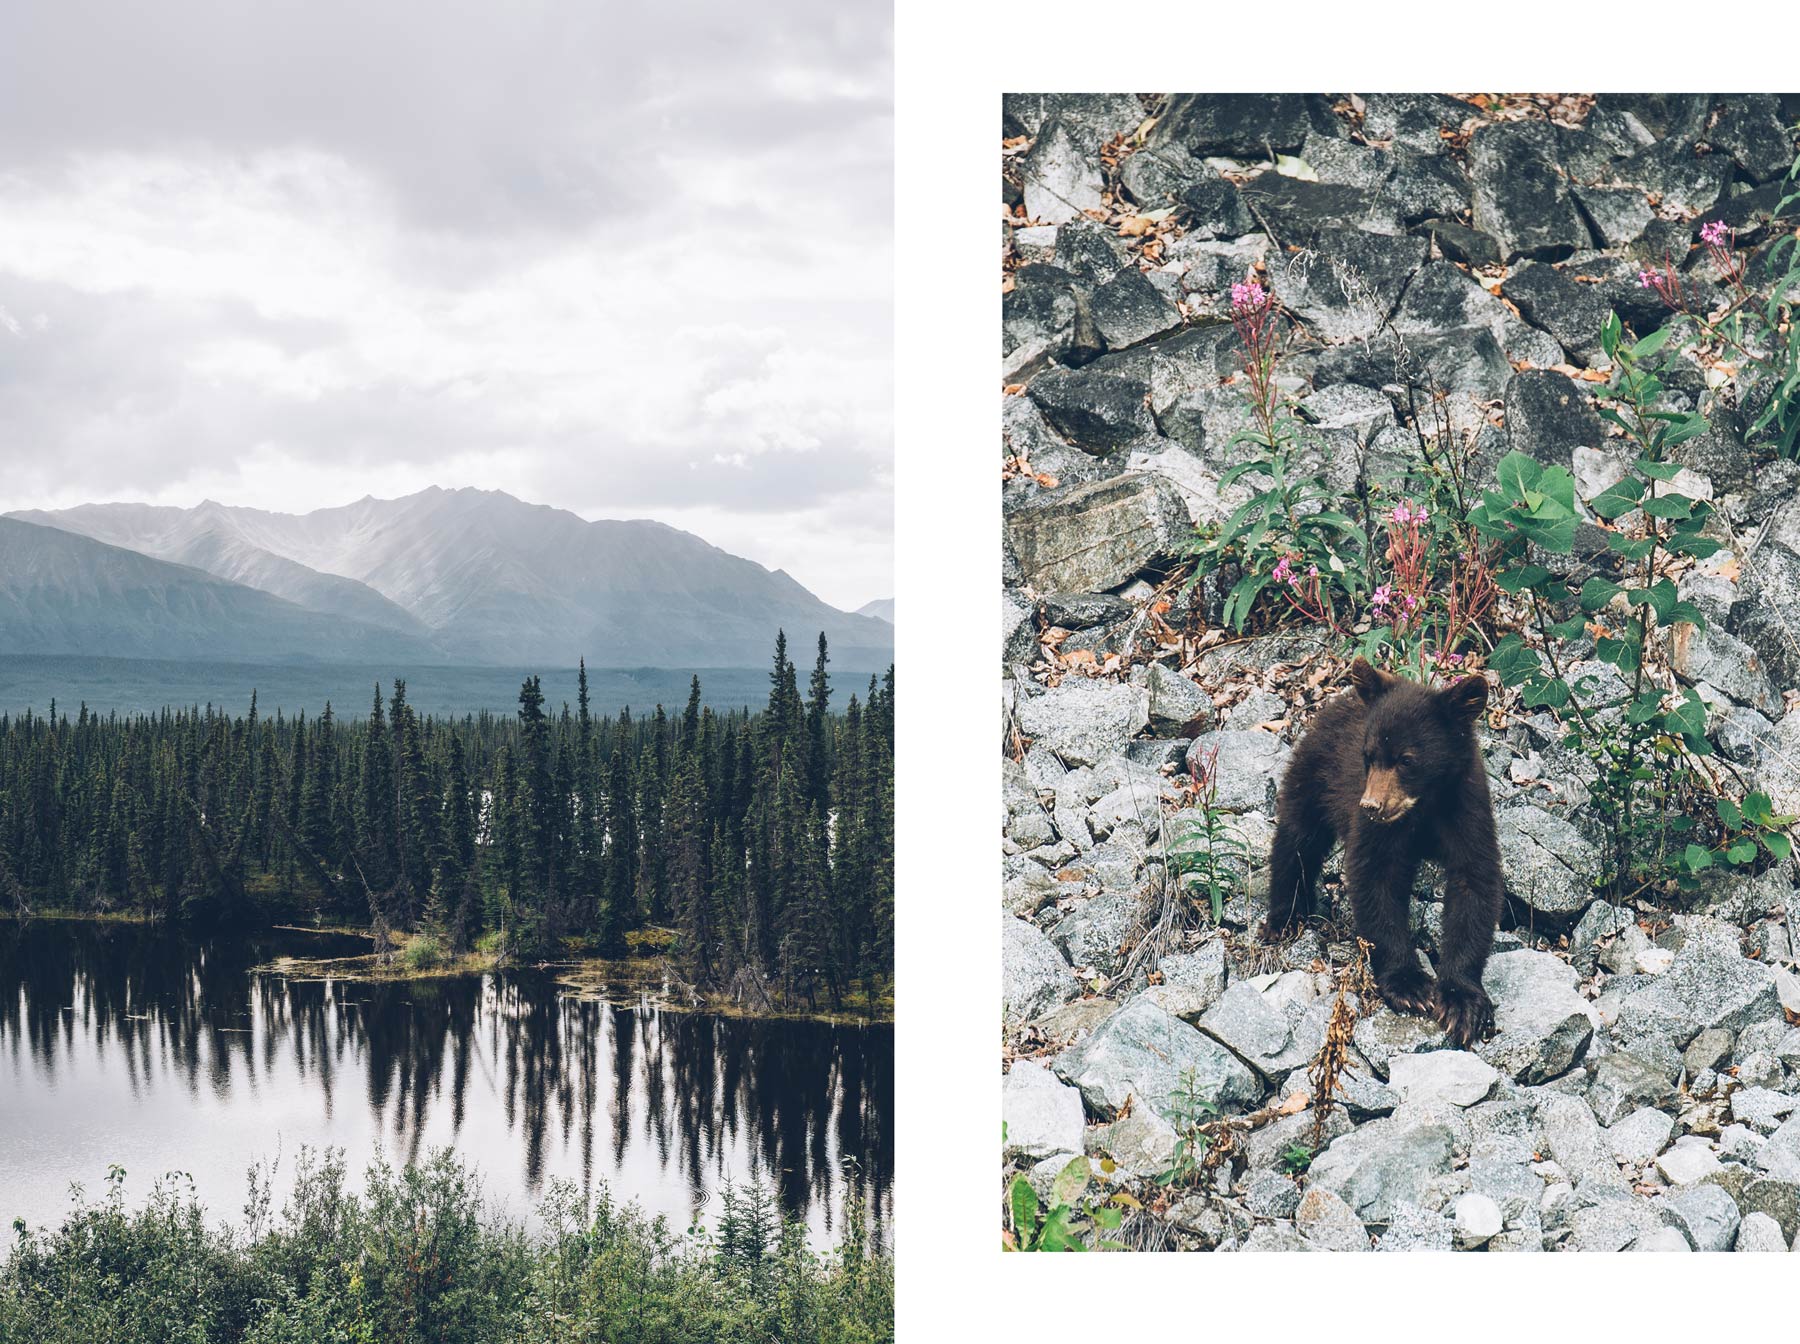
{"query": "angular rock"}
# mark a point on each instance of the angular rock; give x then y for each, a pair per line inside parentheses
(1759, 1232)
(1097, 535)
(1037, 321)
(1411, 1228)
(1297, 213)
(1542, 1026)
(1706, 1214)
(1383, 1163)
(1625, 1080)
(1708, 985)
(1175, 700)
(1062, 175)
(1094, 410)
(1384, 1035)
(1328, 1223)
(1690, 1160)
(1192, 981)
(1548, 417)
(1215, 209)
(1779, 1198)
(1571, 312)
(1619, 214)
(1252, 124)
(1099, 931)
(1143, 1052)
(1128, 310)
(1640, 1136)
(1084, 721)
(1451, 1077)
(1347, 292)
(1414, 120)
(1143, 1143)
(1613, 1225)
(1520, 195)
(1094, 118)
(1042, 1115)
(1477, 1220)
(1711, 655)
(1034, 976)
(1752, 129)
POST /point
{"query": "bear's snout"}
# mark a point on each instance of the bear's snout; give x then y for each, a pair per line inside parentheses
(1383, 799)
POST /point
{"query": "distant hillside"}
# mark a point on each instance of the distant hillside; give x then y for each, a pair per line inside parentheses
(61, 593)
(882, 609)
(488, 578)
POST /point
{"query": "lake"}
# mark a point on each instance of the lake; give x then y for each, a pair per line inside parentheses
(134, 1045)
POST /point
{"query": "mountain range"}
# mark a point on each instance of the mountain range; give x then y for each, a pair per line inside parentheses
(452, 576)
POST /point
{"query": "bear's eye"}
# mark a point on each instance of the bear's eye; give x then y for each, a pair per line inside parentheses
(1409, 760)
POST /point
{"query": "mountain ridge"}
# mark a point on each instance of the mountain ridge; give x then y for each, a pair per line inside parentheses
(485, 577)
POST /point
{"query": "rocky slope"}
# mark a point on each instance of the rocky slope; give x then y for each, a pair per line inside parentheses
(1642, 1087)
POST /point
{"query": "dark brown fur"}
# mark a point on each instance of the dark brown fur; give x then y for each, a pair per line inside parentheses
(1349, 779)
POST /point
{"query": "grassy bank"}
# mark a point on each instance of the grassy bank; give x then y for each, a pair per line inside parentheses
(416, 1256)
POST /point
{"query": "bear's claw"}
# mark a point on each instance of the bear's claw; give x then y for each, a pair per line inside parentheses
(1464, 1011)
(1408, 991)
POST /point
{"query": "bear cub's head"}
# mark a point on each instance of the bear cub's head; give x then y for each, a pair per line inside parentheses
(1417, 743)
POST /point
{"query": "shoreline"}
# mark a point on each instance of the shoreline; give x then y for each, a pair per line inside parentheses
(625, 980)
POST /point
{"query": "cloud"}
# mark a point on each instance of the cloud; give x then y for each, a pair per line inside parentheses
(629, 263)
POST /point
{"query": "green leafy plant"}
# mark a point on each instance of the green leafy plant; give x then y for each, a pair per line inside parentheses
(1757, 324)
(1644, 740)
(1191, 1141)
(1295, 1159)
(1288, 540)
(1060, 1222)
(1208, 848)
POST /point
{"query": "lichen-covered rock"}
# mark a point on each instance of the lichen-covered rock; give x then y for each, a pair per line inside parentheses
(1042, 1115)
(1085, 721)
(1454, 1077)
(1098, 535)
(1143, 1052)
(1062, 175)
(1548, 863)
(1382, 1163)
(1521, 196)
(1542, 1026)
(1709, 985)
(1035, 977)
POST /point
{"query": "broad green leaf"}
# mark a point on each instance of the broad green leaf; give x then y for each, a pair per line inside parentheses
(1070, 1182)
(1729, 816)
(1660, 471)
(1597, 592)
(1522, 578)
(1778, 844)
(1668, 506)
(1650, 344)
(1695, 858)
(1620, 497)
(1622, 545)
(1024, 1208)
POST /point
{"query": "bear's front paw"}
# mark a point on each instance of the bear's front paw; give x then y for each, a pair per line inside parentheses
(1465, 1011)
(1408, 990)
(1278, 931)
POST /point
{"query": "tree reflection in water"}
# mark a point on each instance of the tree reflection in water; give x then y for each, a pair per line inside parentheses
(129, 1044)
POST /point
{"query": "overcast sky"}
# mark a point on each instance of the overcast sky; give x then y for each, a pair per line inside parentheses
(629, 260)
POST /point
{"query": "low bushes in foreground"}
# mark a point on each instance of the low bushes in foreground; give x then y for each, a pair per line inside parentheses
(417, 1256)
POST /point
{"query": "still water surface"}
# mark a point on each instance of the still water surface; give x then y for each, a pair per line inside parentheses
(137, 1046)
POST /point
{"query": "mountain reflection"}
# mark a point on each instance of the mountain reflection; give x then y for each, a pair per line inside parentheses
(172, 1053)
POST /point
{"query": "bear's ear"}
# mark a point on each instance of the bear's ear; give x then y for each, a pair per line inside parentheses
(1465, 700)
(1371, 682)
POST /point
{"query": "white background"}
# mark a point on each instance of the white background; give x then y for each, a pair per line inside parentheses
(953, 62)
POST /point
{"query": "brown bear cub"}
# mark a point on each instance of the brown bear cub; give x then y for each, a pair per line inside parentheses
(1393, 771)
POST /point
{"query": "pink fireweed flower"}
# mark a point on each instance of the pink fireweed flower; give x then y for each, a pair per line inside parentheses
(1645, 280)
(1383, 595)
(1247, 297)
(1312, 571)
(1720, 239)
(1283, 571)
(1406, 512)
